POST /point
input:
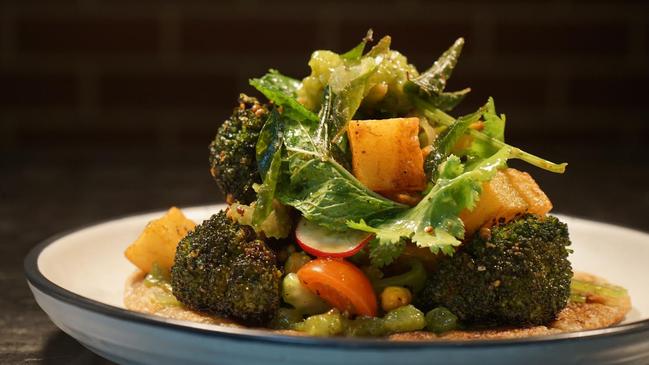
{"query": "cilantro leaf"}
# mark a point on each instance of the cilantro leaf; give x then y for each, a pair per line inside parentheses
(435, 222)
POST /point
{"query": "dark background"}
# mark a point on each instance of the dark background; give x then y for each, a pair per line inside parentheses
(107, 106)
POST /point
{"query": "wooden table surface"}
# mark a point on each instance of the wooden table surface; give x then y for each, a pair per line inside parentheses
(45, 192)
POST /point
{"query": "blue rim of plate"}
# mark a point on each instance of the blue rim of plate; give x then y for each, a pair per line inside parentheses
(39, 281)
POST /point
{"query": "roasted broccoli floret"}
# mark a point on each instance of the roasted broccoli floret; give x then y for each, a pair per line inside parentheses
(232, 153)
(222, 268)
(518, 274)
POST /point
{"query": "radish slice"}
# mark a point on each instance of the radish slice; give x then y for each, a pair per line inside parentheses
(322, 242)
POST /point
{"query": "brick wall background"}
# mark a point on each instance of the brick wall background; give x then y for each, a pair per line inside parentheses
(120, 87)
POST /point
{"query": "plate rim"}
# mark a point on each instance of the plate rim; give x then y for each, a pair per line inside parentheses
(39, 281)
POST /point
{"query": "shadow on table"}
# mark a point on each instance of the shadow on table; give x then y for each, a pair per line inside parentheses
(63, 349)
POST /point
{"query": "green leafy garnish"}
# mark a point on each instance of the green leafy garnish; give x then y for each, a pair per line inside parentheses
(355, 53)
(269, 159)
(433, 113)
(282, 90)
(430, 85)
(435, 222)
(304, 157)
(320, 188)
(433, 81)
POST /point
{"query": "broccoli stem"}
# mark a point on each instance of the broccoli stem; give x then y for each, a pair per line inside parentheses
(431, 112)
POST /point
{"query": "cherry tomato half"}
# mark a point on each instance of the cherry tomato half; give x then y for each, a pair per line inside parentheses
(340, 284)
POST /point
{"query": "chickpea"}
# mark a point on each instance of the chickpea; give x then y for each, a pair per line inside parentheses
(394, 297)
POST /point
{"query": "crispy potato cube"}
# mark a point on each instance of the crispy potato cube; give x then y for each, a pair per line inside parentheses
(157, 243)
(537, 202)
(498, 200)
(509, 194)
(386, 156)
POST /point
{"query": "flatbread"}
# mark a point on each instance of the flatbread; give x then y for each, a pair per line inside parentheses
(575, 317)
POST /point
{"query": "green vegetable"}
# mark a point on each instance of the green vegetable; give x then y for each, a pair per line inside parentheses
(517, 275)
(295, 261)
(443, 145)
(319, 187)
(434, 221)
(415, 278)
(447, 101)
(365, 327)
(223, 268)
(430, 85)
(285, 319)
(301, 298)
(433, 113)
(269, 159)
(390, 73)
(440, 320)
(232, 152)
(355, 53)
(159, 278)
(282, 90)
(404, 319)
(433, 81)
(313, 175)
(328, 324)
(278, 223)
(607, 294)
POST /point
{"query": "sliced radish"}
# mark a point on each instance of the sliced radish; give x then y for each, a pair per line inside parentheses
(322, 242)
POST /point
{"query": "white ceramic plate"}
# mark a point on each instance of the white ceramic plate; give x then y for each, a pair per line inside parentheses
(78, 280)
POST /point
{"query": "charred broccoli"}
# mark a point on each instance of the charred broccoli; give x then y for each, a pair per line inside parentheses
(519, 274)
(221, 267)
(232, 153)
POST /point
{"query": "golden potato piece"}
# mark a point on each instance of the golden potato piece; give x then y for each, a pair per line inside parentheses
(509, 194)
(537, 202)
(157, 243)
(386, 156)
(499, 199)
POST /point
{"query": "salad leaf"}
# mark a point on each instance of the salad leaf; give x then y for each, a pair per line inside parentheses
(447, 101)
(269, 142)
(324, 194)
(433, 81)
(382, 47)
(269, 159)
(320, 188)
(443, 145)
(383, 251)
(433, 113)
(282, 90)
(494, 127)
(342, 98)
(435, 222)
(430, 85)
(356, 53)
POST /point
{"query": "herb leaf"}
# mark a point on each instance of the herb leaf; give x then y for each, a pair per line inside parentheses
(356, 53)
(433, 81)
(282, 90)
(434, 113)
(447, 101)
(435, 222)
(320, 188)
(269, 159)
